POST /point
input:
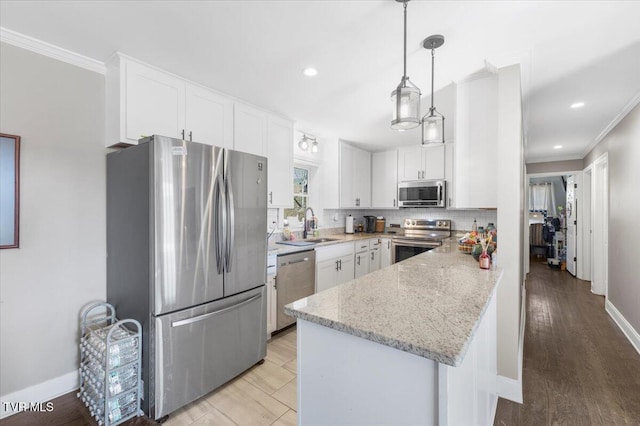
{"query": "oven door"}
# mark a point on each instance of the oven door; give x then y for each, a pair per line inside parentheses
(402, 249)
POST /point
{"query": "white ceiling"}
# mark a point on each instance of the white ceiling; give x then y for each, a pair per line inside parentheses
(255, 50)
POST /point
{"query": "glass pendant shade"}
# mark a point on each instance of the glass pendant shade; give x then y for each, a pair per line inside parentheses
(433, 128)
(406, 107)
(303, 144)
(314, 147)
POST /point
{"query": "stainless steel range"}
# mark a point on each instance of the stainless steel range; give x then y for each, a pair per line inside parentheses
(420, 235)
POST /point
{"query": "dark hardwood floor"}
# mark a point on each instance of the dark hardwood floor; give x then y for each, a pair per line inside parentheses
(579, 369)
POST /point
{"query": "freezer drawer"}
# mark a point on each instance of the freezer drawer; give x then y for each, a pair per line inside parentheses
(199, 349)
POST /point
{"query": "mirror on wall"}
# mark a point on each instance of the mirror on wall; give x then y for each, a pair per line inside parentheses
(9, 190)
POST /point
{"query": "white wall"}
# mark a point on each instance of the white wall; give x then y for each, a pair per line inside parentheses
(510, 182)
(58, 110)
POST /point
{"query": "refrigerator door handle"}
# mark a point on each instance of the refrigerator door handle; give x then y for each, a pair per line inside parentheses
(220, 224)
(214, 313)
(230, 235)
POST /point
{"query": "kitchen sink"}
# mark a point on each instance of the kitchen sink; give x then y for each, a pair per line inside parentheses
(321, 240)
(302, 243)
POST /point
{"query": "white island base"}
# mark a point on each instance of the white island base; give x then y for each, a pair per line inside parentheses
(344, 379)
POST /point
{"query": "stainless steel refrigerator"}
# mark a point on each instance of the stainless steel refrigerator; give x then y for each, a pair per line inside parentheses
(186, 256)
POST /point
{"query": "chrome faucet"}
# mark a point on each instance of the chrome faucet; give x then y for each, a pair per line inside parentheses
(305, 232)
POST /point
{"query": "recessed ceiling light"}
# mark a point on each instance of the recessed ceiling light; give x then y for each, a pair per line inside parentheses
(310, 72)
(577, 105)
(557, 146)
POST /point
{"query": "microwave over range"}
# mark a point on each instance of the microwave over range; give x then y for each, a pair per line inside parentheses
(429, 193)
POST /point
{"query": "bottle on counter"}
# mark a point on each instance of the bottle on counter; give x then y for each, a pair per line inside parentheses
(474, 227)
(286, 232)
(485, 260)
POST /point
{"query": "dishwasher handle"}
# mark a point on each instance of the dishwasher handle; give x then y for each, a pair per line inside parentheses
(291, 262)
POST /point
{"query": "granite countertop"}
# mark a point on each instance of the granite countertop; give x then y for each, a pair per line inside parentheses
(280, 249)
(429, 305)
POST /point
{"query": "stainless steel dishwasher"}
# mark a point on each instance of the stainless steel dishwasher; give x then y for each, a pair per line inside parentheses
(295, 280)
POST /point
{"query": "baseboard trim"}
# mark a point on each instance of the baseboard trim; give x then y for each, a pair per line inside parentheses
(42, 392)
(623, 324)
(47, 49)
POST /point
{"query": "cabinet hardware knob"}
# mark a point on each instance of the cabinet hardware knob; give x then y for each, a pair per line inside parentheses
(182, 134)
(190, 134)
(271, 197)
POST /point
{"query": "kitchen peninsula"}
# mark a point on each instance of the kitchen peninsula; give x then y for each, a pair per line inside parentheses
(413, 343)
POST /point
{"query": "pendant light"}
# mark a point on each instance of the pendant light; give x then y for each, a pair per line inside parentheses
(406, 97)
(433, 122)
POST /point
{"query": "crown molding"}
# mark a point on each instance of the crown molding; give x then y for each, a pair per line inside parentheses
(617, 119)
(47, 49)
(553, 158)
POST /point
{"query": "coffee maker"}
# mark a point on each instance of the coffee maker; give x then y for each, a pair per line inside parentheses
(370, 224)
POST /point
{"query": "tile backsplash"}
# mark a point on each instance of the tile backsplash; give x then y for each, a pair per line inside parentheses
(461, 220)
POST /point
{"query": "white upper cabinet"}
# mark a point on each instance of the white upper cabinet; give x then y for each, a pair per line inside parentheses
(280, 166)
(476, 142)
(355, 177)
(209, 117)
(418, 163)
(249, 129)
(384, 179)
(449, 150)
(142, 101)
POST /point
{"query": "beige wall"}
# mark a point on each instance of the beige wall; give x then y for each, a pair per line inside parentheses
(555, 166)
(58, 110)
(623, 147)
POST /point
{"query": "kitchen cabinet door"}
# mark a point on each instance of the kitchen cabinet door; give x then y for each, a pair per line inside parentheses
(326, 274)
(346, 270)
(384, 179)
(355, 177)
(362, 177)
(433, 158)
(361, 263)
(449, 148)
(347, 174)
(209, 117)
(476, 143)
(280, 165)
(385, 252)
(153, 103)
(249, 129)
(410, 165)
(374, 259)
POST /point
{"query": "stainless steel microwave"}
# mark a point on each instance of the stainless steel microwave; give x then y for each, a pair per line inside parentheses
(426, 193)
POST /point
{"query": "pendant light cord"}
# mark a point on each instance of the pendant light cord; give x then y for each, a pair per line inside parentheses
(432, 76)
(404, 79)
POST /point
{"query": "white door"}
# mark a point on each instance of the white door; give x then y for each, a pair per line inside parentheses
(361, 263)
(384, 179)
(600, 202)
(154, 103)
(347, 186)
(410, 163)
(280, 166)
(434, 162)
(345, 269)
(374, 259)
(249, 130)
(572, 217)
(361, 177)
(209, 117)
(326, 274)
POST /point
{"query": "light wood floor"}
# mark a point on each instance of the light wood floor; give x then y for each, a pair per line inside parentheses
(579, 369)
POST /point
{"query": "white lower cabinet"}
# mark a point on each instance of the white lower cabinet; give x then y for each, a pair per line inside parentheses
(374, 254)
(361, 258)
(385, 252)
(334, 265)
(272, 299)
